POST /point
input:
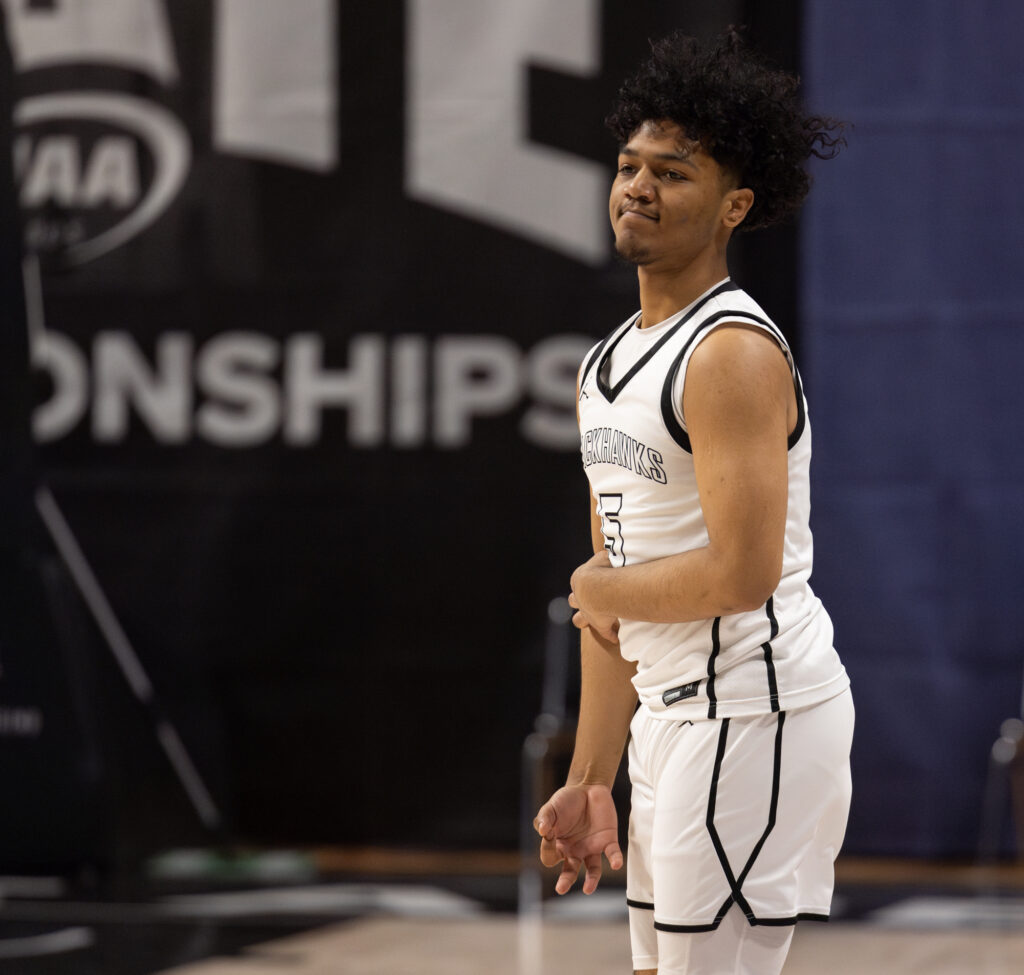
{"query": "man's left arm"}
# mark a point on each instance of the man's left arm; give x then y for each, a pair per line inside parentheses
(740, 406)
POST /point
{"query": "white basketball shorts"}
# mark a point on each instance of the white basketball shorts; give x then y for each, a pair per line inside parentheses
(734, 815)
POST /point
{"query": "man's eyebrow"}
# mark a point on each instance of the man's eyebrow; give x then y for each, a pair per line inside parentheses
(683, 157)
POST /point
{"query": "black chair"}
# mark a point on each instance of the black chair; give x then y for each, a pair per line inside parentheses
(1004, 789)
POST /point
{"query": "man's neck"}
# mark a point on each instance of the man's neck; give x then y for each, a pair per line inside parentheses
(663, 292)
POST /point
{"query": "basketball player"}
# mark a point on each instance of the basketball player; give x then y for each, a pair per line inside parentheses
(701, 638)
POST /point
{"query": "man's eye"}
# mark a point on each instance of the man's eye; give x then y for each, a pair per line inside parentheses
(626, 169)
(676, 175)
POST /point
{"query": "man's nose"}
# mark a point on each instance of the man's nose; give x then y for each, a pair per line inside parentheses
(640, 187)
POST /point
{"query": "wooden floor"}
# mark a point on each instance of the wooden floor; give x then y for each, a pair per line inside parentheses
(501, 946)
(374, 912)
(911, 941)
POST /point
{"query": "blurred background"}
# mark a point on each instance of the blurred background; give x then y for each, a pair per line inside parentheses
(294, 295)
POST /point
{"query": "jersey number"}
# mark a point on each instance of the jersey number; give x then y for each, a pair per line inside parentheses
(609, 507)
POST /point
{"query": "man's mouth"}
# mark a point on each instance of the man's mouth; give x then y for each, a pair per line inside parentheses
(636, 212)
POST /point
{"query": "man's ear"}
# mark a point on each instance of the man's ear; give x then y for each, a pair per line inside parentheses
(737, 206)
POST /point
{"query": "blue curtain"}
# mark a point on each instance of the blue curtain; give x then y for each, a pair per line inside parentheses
(913, 317)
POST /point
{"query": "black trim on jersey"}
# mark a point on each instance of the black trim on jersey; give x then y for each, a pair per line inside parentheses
(716, 647)
(773, 687)
(801, 413)
(611, 392)
(616, 334)
(641, 905)
(668, 413)
(736, 882)
(776, 922)
(687, 928)
(709, 822)
(774, 808)
(779, 922)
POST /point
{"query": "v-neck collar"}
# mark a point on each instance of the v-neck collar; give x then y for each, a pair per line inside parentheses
(603, 366)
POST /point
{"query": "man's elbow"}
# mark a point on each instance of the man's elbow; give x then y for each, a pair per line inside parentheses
(752, 587)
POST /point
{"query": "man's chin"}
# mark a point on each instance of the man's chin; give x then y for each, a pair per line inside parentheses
(629, 252)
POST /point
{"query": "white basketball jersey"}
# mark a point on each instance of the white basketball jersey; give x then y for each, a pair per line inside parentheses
(636, 453)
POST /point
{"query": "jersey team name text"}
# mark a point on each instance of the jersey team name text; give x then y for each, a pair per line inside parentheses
(605, 445)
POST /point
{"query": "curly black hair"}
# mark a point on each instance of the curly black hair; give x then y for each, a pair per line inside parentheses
(742, 110)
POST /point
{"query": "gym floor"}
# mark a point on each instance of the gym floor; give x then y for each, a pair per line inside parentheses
(396, 912)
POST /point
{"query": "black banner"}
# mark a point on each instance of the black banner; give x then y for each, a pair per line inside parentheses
(308, 285)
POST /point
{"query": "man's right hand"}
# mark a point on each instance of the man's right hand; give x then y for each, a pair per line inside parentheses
(576, 825)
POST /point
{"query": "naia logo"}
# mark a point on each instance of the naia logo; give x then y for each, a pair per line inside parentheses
(95, 169)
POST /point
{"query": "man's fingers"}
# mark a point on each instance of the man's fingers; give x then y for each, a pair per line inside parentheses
(614, 855)
(544, 822)
(549, 854)
(580, 621)
(570, 870)
(593, 875)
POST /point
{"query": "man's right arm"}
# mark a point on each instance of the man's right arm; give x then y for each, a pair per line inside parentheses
(578, 823)
(607, 703)
(607, 698)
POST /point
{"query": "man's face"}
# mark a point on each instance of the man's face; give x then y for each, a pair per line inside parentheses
(669, 200)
